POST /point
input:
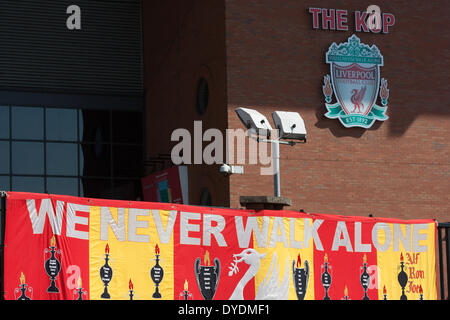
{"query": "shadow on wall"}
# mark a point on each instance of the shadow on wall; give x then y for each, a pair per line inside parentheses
(401, 118)
(337, 129)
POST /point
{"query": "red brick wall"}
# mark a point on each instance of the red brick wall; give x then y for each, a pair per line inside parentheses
(398, 168)
(183, 41)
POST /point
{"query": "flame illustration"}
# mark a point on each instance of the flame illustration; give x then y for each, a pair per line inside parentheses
(130, 285)
(22, 278)
(186, 287)
(401, 257)
(157, 249)
(299, 261)
(206, 258)
(346, 291)
(384, 91)
(384, 290)
(52, 241)
(326, 88)
(107, 249)
(79, 282)
(420, 289)
(325, 258)
(365, 258)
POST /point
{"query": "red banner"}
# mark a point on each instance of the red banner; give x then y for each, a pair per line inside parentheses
(62, 247)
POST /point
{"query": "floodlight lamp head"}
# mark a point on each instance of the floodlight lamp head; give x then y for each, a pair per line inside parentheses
(290, 125)
(253, 119)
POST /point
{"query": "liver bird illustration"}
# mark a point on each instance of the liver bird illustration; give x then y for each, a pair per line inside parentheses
(357, 97)
(270, 288)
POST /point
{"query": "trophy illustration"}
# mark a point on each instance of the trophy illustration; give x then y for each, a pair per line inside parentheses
(402, 278)
(52, 265)
(79, 292)
(157, 274)
(23, 289)
(186, 294)
(207, 276)
(106, 274)
(326, 276)
(364, 278)
(300, 277)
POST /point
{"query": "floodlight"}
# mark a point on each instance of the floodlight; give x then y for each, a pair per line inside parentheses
(252, 119)
(290, 124)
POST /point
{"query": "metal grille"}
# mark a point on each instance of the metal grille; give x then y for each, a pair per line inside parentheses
(39, 54)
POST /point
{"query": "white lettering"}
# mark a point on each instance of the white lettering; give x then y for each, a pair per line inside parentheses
(341, 230)
(73, 220)
(46, 209)
(185, 227)
(134, 223)
(118, 227)
(164, 235)
(359, 246)
(252, 226)
(209, 230)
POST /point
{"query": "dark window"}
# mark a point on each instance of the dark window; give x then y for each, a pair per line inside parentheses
(61, 124)
(76, 152)
(4, 157)
(4, 122)
(60, 185)
(62, 159)
(121, 132)
(127, 161)
(27, 123)
(27, 157)
(202, 96)
(205, 197)
(4, 183)
(29, 184)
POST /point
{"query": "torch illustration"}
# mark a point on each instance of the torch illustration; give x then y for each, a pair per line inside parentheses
(23, 289)
(326, 276)
(402, 278)
(79, 292)
(346, 293)
(157, 274)
(364, 278)
(130, 286)
(106, 274)
(186, 294)
(52, 265)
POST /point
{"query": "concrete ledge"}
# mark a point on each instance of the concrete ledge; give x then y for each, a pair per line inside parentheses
(264, 202)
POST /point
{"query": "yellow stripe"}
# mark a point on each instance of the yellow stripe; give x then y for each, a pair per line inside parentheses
(129, 260)
(280, 254)
(420, 267)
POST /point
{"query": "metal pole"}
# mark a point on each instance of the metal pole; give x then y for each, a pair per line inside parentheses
(441, 262)
(2, 244)
(447, 245)
(276, 168)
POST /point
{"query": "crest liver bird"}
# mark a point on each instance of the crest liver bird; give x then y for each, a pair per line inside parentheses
(357, 97)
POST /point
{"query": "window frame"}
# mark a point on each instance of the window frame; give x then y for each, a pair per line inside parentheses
(109, 147)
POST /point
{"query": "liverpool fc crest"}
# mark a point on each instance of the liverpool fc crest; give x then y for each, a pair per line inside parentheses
(355, 81)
